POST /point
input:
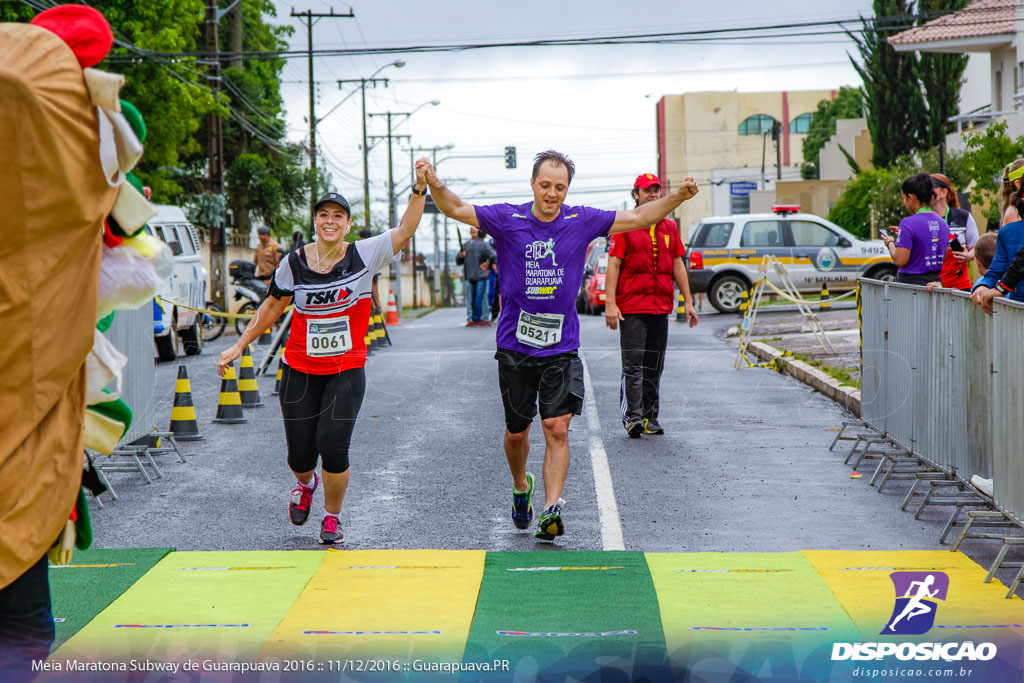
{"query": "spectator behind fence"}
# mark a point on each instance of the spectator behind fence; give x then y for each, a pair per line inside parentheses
(963, 234)
(1003, 277)
(923, 237)
(985, 251)
(1012, 175)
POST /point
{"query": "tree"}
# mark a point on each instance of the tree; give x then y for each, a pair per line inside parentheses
(878, 190)
(941, 76)
(848, 104)
(986, 154)
(892, 93)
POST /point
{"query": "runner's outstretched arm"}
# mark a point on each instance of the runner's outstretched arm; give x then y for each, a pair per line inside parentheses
(650, 213)
(411, 218)
(267, 314)
(449, 203)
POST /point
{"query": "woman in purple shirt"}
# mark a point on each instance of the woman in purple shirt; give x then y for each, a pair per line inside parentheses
(920, 245)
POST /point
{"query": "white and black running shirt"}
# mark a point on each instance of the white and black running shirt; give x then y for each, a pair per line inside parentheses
(332, 310)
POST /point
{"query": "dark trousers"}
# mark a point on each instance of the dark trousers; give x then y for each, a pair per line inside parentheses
(26, 623)
(642, 338)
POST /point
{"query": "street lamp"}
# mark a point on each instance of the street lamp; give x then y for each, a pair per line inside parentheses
(398, 116)
(398, 64)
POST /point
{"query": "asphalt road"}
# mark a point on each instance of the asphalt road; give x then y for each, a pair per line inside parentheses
(744, 467)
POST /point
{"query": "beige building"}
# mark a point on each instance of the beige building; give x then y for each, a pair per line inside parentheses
(722, 139)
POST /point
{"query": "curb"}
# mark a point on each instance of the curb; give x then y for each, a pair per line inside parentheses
(846, 396)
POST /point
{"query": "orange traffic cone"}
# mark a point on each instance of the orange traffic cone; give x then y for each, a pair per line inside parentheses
(392, 316)
(229, 404)
(183, 413)
(280, 372)
(248, 387)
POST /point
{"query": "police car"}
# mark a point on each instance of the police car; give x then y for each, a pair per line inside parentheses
(724, 253)
(187, 285)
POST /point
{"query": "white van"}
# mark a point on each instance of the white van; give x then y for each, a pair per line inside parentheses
(186, 286)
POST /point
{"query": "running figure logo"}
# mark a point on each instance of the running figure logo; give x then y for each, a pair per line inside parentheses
(539, 250)
(916, 596)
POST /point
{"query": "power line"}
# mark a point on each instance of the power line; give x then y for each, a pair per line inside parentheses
(886, 24)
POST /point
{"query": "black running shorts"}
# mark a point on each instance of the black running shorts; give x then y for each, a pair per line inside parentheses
(557, 381)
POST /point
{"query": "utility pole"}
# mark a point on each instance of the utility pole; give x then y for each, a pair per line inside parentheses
(391, 196)
(309, 16)
(777, 137)
(363, 82)
(215, 163)
(438, 295)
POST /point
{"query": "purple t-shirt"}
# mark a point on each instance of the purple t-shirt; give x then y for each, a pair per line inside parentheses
(540, 267)
(926, 235)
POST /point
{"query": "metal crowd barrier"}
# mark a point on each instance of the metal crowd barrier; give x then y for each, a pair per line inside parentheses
(132, 335)
(942, 391)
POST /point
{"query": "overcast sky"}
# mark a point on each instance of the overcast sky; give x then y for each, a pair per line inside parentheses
(594, 102)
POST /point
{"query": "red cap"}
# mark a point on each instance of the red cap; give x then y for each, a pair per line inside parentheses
(645, 180)
(84, 29)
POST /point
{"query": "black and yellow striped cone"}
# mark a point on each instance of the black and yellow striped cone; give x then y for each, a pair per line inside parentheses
(825, 304)
(229, 404)
(280, 372)
(378, 330)
(248, 387)
(371, 332)
(681, 310)
(744, 301)
(183, 413)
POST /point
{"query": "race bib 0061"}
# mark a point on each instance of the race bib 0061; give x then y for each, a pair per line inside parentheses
(328, 338)
(539, 329)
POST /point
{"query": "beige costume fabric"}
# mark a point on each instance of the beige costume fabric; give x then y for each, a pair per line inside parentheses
(53, 199)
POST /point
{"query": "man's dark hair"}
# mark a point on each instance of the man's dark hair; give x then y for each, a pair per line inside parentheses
(263, 230)
(556, 158)
(365, 234)
(920, 186)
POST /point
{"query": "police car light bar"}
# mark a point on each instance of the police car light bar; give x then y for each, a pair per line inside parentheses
(785, 209)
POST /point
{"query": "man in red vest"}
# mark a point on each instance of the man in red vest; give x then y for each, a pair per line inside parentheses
(644, 266)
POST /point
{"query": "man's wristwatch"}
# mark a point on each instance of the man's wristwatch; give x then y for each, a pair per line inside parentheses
(419, 193)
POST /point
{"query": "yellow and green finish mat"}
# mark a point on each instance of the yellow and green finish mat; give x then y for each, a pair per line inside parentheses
(773, 616)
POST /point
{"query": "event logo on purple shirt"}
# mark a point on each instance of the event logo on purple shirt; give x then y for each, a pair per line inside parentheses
(540, 268)
(916, 596)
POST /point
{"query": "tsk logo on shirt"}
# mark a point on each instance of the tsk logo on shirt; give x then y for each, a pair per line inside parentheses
(538, 251)
(328, 297)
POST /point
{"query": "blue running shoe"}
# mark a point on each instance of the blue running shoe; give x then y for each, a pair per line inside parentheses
(522, 505)
(550, 523)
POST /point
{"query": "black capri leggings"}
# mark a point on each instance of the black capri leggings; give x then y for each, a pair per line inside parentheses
(319, 413)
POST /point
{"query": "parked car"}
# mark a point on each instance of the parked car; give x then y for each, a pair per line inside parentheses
(187, 286)
(725, 251)
(590, 299)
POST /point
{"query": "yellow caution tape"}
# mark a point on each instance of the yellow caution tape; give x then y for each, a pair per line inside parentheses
(809, 302)
(772, 364)
(219, 314)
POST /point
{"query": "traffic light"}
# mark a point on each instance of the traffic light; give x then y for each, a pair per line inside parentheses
(510, 157)
(776, 131)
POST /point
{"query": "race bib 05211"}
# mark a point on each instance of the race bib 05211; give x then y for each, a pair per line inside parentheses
(539, 329)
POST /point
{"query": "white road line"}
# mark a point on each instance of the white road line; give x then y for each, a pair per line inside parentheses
(611, 526)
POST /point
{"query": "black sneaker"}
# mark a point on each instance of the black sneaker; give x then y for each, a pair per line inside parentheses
(651, 426)
(302, 497)
(330, 531)
(550, 523)
(634, 428)
(522, 504)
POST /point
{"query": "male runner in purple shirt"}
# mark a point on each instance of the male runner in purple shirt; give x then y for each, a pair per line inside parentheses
(541, 247)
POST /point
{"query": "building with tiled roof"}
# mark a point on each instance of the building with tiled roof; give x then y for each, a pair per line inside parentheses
(988, 30)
